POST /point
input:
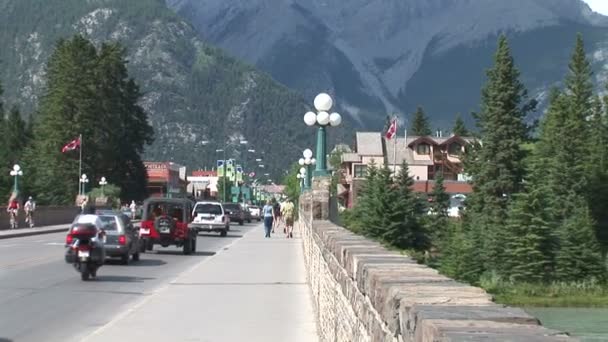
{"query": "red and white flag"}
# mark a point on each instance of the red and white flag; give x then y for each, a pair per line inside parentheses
(392, 130)
(71, 146)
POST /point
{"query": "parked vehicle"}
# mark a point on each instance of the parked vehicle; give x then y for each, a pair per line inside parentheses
(235, 212)
(122, 239)
(247, 213)
(85, 247)
(166, 222)
(256, 212)
(210, 217)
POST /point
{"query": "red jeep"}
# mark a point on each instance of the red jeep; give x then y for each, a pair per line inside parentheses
(165, 222)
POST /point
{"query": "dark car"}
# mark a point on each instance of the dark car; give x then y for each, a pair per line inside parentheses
(166, 221)
(122, 238)
(235, 212)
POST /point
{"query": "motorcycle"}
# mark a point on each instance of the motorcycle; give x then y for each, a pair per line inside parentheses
(86, 251)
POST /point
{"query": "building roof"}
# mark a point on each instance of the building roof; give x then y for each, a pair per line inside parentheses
(351, 158)
(369, 143)
(403, 153)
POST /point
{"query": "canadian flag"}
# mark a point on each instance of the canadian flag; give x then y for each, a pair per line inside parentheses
(392, 130)
(71, 146)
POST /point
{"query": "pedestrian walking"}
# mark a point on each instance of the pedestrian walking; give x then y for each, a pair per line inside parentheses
(288, 213)
(268, 218)
(276, 208)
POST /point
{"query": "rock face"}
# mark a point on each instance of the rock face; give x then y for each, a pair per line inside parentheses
(391, 55)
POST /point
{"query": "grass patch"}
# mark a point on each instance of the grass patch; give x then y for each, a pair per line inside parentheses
(590, 293)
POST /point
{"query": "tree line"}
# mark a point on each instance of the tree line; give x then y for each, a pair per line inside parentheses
(539, 210)
(89, 93)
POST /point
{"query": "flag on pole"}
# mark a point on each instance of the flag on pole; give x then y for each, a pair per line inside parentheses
(71, 146)
(392, 129)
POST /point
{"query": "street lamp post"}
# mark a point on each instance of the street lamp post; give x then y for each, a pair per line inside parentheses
(302, 177)
(103, 182)
(16, 172)
(322, 118)
(224, 178)
(307, 162)
(83, 181)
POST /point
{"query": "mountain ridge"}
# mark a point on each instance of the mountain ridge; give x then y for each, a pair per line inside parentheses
(367, 52)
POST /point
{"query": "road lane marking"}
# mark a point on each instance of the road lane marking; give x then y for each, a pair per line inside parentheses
(158, 290)
(55, 243)
(7, 246)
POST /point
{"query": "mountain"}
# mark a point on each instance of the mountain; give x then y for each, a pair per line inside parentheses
(193, 92)
(392, 55)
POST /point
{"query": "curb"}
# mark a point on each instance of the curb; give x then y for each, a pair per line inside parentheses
(31, 233)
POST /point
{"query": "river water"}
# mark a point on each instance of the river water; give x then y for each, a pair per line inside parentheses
(588, 324)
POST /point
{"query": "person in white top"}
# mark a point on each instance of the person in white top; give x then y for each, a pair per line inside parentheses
(29, 207)
(133, 207)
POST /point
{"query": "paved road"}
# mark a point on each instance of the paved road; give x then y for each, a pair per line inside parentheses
(43, 299)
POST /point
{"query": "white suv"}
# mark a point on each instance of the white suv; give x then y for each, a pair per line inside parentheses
(210, 217)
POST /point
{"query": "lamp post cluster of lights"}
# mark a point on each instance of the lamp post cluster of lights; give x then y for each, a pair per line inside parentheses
(16, 172)
(307, 162)
(322, 119)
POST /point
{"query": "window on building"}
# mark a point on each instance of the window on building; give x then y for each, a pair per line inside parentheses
(455, 149)
(423, 149)
(360, 171)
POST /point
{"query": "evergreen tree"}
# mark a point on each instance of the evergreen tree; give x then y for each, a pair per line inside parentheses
(89, 93)
(220, 189)
(459, 127)
(598, 183)
(455, 253)
(530, 244)
(15, 135)
(420, 123)
(368, 205)
(403, 212)
(438, 221)
(496, 165)
(578, 258)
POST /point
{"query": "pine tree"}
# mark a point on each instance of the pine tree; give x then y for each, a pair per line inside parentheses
(460, 128)
(369, 204)
(497, 163)
(578, 258)
(438, 221)
(529, 244)
(15, 135)
(598, 183)
(420, 123)
(89, 93)
(403, 213)
(455, 253)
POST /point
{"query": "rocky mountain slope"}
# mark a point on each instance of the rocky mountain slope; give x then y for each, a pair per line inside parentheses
(192, 91)
(392, 55)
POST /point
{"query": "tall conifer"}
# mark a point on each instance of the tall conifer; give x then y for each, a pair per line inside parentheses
(420, 123)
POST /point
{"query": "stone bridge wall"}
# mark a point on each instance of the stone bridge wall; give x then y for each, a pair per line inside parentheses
(365, 292)
(44, 216)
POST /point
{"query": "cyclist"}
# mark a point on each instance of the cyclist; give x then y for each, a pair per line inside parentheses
(13, 210)
(29, 207)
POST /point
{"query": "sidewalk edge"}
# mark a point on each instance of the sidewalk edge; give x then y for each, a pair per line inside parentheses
(37, 232)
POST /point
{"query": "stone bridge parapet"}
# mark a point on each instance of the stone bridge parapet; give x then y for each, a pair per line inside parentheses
(364, 292)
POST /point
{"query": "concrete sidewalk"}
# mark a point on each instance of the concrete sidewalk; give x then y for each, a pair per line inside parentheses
(253, 290)
(21, 232)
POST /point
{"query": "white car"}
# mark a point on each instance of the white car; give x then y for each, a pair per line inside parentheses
(210, 217)
(256, 212)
